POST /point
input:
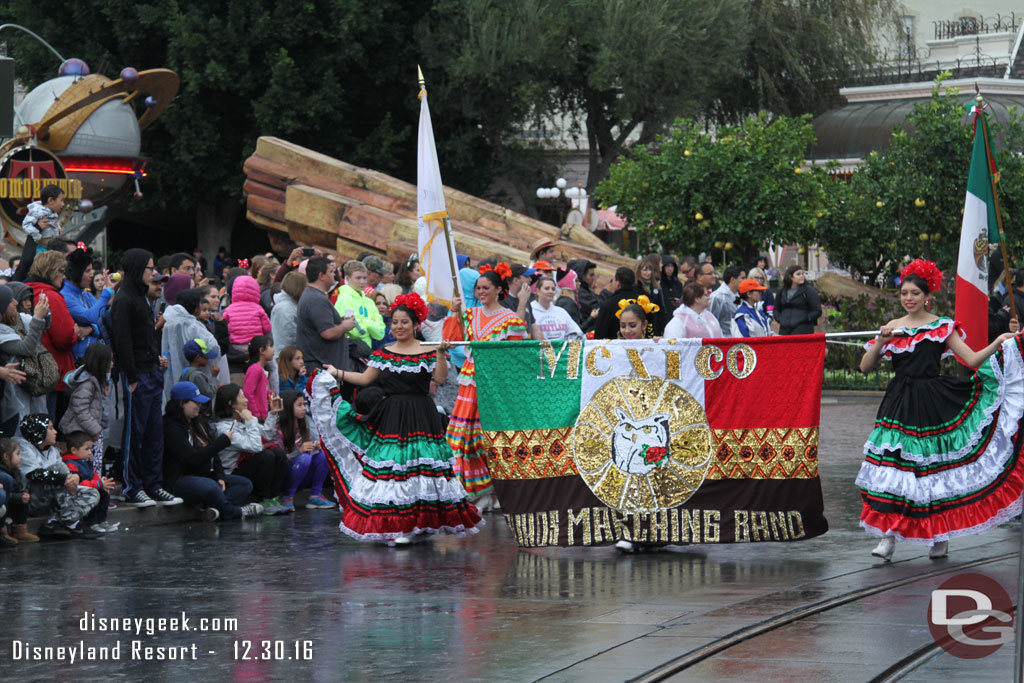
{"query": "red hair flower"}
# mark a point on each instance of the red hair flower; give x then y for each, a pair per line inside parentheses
(485, 268)
(414, 303)
(504, 270)
(927, 271)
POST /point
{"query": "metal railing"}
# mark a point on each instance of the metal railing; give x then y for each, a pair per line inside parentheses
(974, 26)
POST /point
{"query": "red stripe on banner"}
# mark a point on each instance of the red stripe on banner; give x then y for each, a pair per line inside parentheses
(972, 313)
(784, 389)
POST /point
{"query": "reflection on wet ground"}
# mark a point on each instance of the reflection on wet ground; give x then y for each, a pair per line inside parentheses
(452, 609)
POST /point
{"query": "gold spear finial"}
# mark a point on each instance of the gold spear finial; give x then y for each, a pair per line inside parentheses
(423, 82)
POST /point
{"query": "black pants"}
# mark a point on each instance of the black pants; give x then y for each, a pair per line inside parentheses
(16, 510)
(268, 472)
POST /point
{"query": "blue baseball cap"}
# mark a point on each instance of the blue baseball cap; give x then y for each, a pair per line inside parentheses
(187, 391)
(197, 347)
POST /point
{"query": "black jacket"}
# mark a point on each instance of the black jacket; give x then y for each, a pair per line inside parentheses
(136, 347)
(797, 311)
(181, 457)
(607, 326)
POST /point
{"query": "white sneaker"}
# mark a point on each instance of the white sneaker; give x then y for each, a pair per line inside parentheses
(885, 548)
(252, 510)
(940, 549)
(403, 540)
(625, 547)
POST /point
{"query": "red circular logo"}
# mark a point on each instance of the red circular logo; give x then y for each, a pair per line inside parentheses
(970, 616)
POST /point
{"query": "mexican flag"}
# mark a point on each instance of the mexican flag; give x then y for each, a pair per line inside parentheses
(979, 228)
(678, 441)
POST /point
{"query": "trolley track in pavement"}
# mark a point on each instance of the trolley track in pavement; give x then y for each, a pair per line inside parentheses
(743, 635)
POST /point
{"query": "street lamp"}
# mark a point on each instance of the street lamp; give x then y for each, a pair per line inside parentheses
(577, 196)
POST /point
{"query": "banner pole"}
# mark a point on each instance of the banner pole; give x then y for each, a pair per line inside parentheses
(1018, 635)
(457, 286)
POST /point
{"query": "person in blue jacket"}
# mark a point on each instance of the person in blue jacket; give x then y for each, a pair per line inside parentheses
(85, 308)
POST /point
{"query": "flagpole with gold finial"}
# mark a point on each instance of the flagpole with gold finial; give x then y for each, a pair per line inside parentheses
(448, 241)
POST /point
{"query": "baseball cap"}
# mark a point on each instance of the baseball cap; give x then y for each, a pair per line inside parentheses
(197, 347)
(543, 265)
(519, 269)
(750, 285)
(161, 278)
(186, 391)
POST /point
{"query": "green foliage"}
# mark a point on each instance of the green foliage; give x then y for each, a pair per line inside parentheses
(800, 53)
(927, 161)
(928, 165)
(608, 69)
(747, 183)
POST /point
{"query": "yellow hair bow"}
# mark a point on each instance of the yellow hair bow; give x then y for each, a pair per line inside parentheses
(642, 301)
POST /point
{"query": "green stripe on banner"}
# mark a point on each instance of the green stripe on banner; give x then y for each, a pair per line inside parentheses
(979, 180)
(524, 385)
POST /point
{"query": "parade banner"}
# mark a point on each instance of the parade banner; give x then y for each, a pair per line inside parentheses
(677, 441)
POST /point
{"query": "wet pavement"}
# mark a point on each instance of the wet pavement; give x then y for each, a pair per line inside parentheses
(312, 605)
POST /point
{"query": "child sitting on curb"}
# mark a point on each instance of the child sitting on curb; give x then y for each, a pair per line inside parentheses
(54, 490)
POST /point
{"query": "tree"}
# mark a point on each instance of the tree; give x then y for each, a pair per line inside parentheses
(329, 74)
(800, 52)
(908, 202)
(744, 187)
(609, 69)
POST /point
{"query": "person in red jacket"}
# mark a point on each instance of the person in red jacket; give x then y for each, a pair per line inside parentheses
(79, 461)
(46, 276)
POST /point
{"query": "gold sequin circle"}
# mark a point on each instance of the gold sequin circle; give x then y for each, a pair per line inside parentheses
(631, 405)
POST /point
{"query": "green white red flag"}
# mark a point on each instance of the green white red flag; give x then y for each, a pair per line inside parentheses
(979, 228)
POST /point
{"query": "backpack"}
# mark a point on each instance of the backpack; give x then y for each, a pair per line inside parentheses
(41, 373)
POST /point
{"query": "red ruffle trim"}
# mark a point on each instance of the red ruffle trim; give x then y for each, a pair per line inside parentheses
(951, 521)
(464, 516)
(904, 344)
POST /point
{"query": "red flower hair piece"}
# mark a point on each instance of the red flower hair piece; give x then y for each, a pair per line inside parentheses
(927, 271)
(485, 268)
(414, 303)
(504, 270)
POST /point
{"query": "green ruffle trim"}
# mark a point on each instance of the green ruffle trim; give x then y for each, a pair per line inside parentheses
(939, 447)
(391, 450)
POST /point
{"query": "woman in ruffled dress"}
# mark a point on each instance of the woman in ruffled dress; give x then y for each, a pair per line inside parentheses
(488, 322)
(392, 466)
(944, 457)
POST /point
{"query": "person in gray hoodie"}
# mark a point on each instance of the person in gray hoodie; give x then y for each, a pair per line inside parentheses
(284, 314)
(53, 489)
(18, 341)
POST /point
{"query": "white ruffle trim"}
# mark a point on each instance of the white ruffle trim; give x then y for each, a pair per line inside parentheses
(1010, 398)
(1001, 517)
(966, 478)
(459, 531)
(888, 350)
(420, 366)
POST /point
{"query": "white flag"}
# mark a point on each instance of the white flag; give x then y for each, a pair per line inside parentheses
(431, 213)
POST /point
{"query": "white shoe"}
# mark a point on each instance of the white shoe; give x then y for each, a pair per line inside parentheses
(403, 540)
(940, 549)
(625, 547)
(251, 510)
(885, 548)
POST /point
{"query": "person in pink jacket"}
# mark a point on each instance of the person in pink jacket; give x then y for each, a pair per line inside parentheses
(245, 317)
(257, 376)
